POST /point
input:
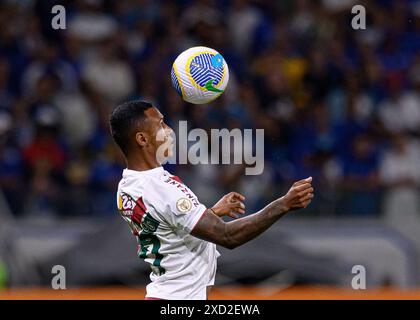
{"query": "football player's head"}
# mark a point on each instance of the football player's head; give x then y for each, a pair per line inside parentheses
(138, 126)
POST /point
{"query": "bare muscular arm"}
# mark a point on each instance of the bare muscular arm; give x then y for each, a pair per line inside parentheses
(235, 233)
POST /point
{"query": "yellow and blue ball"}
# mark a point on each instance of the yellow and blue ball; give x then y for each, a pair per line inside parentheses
(200, 75)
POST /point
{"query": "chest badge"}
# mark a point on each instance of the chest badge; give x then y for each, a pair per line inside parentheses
(183, 205)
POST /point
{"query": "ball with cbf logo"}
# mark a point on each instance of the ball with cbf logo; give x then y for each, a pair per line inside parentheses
(200, 75)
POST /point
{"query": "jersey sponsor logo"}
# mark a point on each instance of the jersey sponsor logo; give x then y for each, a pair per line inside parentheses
(133, 210)
(149, 224)
(183, 205)
(126, 203)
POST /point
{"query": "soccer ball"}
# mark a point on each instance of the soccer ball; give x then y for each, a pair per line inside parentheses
(200, 75)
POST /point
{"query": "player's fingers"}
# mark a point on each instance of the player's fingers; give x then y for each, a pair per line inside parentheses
(307, 203)
(237, 205)
(233, 215)
(305, 191)
(307, 180)
(307, 197)
(240, 211)
(234, 196)
(237, 195)
(303, 187)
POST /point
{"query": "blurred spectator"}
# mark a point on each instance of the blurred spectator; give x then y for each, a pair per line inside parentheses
(90, 23)
(337, 5)
(243, 18)
(11, 166)
(109, 74)
(104, 176)
(78, 117)
(400, 175)
(401, 111)
(44, 159)
(360, 178)
(5, 96)
(48, 61)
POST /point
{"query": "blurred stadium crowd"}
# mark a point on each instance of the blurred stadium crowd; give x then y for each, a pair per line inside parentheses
(338, 104)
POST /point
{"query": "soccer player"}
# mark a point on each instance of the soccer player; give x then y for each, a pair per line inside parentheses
(176, 234)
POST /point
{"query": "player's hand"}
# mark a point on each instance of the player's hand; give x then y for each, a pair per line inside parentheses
(300, 194)
(230, 205)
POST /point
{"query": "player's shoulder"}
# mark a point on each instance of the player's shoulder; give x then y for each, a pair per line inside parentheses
(133, 184)
(149, 184)
(158, 188)
(173, 185)
(169, 190)
(171, 181)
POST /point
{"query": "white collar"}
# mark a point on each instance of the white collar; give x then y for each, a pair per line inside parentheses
(129, 172)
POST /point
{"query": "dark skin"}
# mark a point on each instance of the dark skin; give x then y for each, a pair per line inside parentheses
(211, 227)
(235, 233)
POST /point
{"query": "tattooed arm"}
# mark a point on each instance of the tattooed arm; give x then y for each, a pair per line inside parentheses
(235, 233)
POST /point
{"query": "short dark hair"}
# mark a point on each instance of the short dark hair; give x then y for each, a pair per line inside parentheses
(124, 119)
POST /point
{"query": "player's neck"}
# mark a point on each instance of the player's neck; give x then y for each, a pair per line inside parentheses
(142, 162)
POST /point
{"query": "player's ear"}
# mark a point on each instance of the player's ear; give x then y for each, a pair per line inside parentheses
(141, 139)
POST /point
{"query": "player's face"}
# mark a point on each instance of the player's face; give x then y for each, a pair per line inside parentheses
(161, 135)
